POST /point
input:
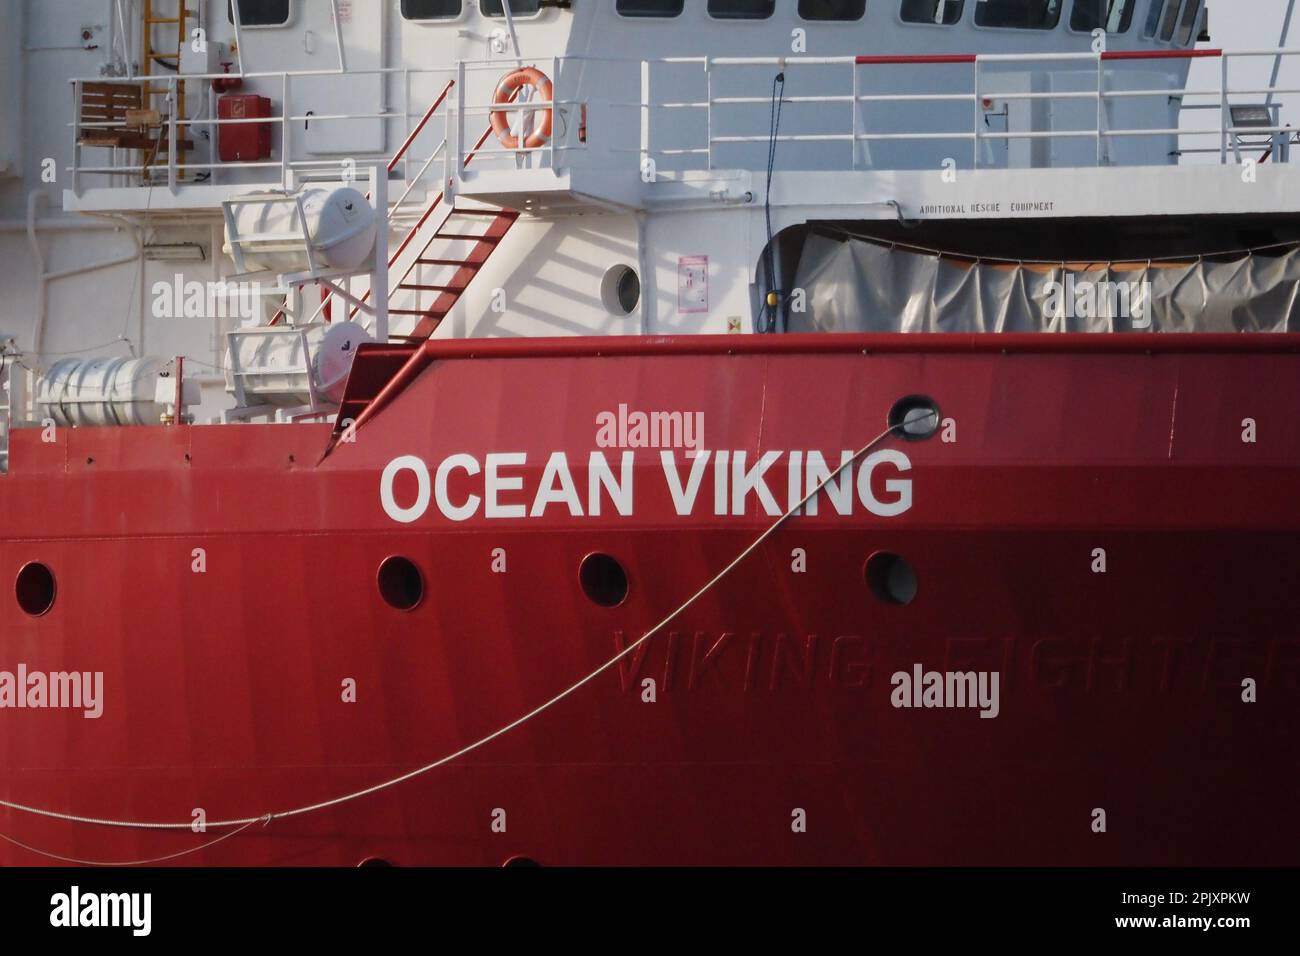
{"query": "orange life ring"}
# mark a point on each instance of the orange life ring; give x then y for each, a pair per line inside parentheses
(506, 91)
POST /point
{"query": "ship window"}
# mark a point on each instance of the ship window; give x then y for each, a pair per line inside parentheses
(1191, 13)
(890, 578)
(832, 9)
(650, 8)
(35, 589)
(259, 13)
(520, 8)
(1153, 17)
(1113, 16)
(431, 9)
(401, 584)
(603, 580)
(1019, 14)
(1170, 20)
(946, 12)
(742, 9)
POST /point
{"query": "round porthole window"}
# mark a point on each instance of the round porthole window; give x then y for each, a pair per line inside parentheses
(915, 417)
(35, 589)
(620, 290)
(400, 583)
(603, 580)
(890, 578)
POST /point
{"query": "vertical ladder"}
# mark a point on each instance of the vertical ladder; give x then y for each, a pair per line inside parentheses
(150, 55)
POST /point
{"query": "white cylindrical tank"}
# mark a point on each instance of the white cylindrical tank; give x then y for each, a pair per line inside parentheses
(340, 226)
(116, 391)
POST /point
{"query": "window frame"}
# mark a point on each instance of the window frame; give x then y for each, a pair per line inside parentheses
(1154, 13)
(717, 19)
(518, 16)
(1177, 7)
(1192, 32)
(288, 20)
(1124, 32)
(432, 21)
(858, 19)
(650, 18)
(974, 21)
(927, 24)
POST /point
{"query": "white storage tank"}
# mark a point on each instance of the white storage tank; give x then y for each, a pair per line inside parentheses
(107, 391)
(340, 226)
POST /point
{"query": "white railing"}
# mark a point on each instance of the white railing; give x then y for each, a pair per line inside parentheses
(568, 115)
(179, 170)
(978, 94)
(710, 107)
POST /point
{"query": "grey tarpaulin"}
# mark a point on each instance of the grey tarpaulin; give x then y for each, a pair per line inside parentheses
(858, 285)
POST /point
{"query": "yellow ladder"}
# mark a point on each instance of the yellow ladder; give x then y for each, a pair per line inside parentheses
(150, 56)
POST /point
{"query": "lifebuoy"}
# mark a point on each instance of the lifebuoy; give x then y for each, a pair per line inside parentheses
(506, 91)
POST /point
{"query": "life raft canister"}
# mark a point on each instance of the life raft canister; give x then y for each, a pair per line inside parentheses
(506, 91)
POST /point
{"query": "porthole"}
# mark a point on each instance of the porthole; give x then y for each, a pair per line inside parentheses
(915, 417)
(890, 578)
(400, 583)
(603, 580)
(35, 589)
(620, 290)
(373, 861)
(521, 861)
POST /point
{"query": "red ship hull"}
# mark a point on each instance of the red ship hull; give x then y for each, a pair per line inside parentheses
(1121, 691)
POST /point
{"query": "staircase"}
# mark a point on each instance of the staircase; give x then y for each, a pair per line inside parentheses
(458, 249)
(446, 240)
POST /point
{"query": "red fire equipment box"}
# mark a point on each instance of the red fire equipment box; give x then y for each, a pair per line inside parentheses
(243, 142)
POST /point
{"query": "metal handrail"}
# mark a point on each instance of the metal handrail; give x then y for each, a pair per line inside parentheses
(1225, 130)
(712, 103)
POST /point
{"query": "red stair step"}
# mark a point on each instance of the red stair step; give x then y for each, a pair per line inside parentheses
(420, 287)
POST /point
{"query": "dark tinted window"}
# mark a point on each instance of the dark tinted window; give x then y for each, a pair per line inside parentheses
(649, 8)
(259, 13)
(431, 9)
(1113, 16)
(946, 12)
(1021, 14)
(741, 9)
(1187, 27)
(832, 9)
(520, 8)
(1169, 20)
(1153, 18)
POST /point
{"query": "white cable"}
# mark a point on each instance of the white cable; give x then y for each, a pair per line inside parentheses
(150, 862)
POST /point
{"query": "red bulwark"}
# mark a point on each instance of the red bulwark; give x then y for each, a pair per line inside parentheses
(1110, 524)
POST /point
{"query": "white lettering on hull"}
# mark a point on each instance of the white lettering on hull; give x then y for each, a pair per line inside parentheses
(740, 485)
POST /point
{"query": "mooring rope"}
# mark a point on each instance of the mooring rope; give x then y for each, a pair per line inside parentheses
(150, 862)
(244, 823)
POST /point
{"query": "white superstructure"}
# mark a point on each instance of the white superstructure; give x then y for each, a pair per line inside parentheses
(135, 134)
